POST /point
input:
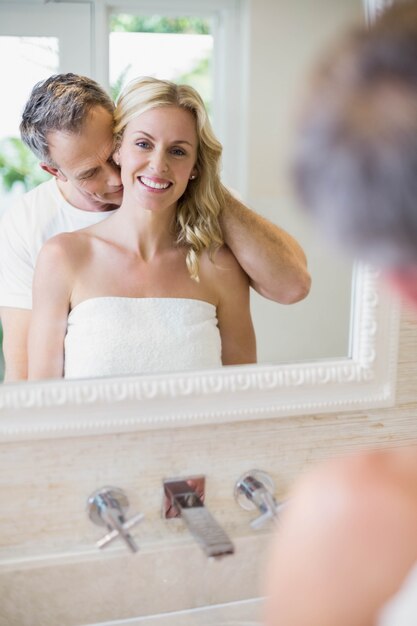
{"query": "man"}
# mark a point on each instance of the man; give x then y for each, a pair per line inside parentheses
(68, 124)
(348, 538)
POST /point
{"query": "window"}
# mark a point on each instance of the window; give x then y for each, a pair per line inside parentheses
(34, 58)
(198, 42)
(177, 49)
(37, 41)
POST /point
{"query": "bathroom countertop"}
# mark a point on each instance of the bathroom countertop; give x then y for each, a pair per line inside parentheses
(241, 613)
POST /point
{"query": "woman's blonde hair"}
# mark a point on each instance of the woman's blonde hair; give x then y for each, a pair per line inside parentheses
(198, 209)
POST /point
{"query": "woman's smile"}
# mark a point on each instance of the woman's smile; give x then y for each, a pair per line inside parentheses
(154, 184)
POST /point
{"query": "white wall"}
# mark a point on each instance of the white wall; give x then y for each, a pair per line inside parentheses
(284, 39)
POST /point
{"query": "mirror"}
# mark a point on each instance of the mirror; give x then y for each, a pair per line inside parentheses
(285, 37)
(319, 341)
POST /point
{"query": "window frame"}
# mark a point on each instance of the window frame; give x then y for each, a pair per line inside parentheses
(58, 20)
(229, 69)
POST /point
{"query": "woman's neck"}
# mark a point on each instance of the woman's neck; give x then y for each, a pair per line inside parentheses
(143, 231)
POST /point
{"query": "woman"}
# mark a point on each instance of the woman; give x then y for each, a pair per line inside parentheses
(151, 288)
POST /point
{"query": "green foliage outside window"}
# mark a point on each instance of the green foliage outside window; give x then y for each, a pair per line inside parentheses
(157, 24)
(117, 86)
(19, 165)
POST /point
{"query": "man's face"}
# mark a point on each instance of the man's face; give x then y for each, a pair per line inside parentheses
(89, 178)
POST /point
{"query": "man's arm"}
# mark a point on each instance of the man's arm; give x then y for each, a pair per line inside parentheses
(346, 542)
(15, 324)
(273, 260)
(16, 272)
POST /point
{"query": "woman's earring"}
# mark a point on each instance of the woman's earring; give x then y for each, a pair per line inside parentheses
(192, 176)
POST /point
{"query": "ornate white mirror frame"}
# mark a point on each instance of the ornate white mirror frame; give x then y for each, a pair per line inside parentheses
(365, 379)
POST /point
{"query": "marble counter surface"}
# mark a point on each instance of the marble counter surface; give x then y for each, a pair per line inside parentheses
(242, 613)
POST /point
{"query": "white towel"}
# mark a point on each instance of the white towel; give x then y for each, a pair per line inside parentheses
(112, 336)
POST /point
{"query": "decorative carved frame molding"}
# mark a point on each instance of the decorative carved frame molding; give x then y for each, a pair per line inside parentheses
(364, 380)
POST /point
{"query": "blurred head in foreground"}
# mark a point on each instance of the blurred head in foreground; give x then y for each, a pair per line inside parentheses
(355, 158)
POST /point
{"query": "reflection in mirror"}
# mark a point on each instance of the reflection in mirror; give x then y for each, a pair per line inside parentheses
(149, 287)
(282, 38)
(34, 59)
(179, 49)
(318, 327)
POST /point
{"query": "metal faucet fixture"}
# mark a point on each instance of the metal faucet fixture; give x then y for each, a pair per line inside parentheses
(184, 497)
(255, 489)
(107, 507)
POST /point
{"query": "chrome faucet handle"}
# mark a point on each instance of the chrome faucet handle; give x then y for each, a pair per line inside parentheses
(184, 497)
(107, 507)
(255, 489)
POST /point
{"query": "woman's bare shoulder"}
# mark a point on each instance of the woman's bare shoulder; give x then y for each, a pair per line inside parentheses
(65, 248)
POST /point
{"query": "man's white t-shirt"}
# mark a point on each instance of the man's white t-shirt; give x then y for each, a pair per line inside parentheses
(24, 227)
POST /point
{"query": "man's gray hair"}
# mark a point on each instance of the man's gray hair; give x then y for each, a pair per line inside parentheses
(60, 103)
(355, 161)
